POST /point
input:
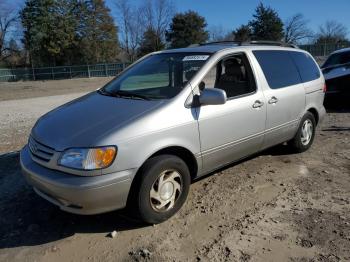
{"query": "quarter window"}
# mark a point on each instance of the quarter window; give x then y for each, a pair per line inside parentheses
(307, 68)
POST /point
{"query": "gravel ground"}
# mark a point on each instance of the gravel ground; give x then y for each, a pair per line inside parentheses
(276, 206)
(30, 89)
(18, 116)
(22, 103)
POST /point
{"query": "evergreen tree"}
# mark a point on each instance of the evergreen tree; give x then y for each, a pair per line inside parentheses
(61, 32)
(49, 29)
(266, 24)
(97, 33)
(150, 42)
(242, 33)
(187, 28)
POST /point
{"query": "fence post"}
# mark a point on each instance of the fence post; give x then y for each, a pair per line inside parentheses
(88, 71)
(106, 72)
(52, 74)
(33, 73)
(70, 72)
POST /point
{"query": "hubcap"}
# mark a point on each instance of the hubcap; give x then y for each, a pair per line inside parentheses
(306, 132)
(166, 190)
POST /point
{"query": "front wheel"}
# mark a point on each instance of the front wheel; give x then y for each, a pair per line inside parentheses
(162, 189)
(305, 134)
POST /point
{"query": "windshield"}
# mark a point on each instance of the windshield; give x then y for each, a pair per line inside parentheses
(159, 76)
(338, 59)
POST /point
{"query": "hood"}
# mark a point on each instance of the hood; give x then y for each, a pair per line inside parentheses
(82, 122)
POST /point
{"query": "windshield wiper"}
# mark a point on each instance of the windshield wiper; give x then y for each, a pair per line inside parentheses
(102, 91)
(121, 93)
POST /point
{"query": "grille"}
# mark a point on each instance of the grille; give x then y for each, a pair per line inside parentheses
(40, 151)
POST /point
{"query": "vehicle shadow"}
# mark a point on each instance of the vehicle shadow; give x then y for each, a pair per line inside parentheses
(336, 129)
(278, 150)
(339, 105)
(28, 220)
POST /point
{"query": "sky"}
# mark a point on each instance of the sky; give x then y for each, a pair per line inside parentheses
(230, 14)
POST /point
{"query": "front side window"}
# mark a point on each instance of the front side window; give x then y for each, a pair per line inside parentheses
(232, 74)
(278, 67)
(159, 76)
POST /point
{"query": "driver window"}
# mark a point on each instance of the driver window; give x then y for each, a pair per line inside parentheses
(232, 74)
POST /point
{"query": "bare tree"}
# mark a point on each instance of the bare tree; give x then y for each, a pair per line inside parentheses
(130, 23)
(134, 21)
(332, 31)
(217, 33)
(296, 29)
(8, 21)
(157, 15)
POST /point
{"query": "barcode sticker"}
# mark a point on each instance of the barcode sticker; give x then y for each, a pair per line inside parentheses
(195, 58)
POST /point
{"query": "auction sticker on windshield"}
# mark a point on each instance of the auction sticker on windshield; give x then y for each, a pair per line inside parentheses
(195, 58)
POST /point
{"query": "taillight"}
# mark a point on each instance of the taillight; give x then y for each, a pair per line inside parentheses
(324, 88)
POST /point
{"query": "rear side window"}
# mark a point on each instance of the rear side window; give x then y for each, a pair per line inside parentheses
(278, 67)
(307, 68)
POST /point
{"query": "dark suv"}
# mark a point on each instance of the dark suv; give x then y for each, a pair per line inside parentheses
(336, 71)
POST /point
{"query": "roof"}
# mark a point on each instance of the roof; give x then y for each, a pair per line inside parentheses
(217, 46)
(200, 48)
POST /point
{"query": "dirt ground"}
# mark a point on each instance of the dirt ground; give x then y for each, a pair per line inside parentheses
(276, 206)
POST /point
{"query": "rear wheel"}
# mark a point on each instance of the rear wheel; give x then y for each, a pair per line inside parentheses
(162, 189)
(305, 135)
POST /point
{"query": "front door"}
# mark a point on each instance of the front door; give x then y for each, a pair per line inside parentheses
(233, 130)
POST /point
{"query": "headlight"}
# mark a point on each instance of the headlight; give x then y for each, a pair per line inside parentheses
(88, 158)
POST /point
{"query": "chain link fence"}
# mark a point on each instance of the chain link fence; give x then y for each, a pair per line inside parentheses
(319, 51)
(323, 50)
(61, 72)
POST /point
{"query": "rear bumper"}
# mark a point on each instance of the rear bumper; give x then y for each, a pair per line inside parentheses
(77, 194)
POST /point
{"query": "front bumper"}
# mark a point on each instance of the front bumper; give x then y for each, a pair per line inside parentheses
(78, 194)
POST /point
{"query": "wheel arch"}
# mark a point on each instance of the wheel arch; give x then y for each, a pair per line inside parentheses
(315, 113)
(183, 153)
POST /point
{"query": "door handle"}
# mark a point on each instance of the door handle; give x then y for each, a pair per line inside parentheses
(273, 100)
(258, 104)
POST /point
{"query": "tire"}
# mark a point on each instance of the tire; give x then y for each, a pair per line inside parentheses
(157, 202)
(304, 136)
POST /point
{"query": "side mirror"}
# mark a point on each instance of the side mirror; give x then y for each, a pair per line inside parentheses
(212, 96)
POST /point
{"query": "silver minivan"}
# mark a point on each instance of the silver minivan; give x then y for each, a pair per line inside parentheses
(168, 119)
